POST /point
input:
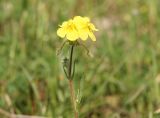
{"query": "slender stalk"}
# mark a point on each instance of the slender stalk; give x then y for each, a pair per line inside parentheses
(71, 87)
(70, 62)
(73, 98)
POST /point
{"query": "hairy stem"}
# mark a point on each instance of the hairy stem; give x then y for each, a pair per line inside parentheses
(73, 98)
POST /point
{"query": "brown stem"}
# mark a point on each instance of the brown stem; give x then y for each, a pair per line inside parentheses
(71, 82)
(73, 98)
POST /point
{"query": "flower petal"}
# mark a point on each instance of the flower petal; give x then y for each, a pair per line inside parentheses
(72, 35)
(91, 35)
(92, 27)
(61, 32)
(78, 19)
(79, 22)
(64, 24)
(83, 35)
(86, 19)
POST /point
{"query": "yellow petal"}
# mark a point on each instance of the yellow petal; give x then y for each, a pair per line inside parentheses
(78, 21)
(72, 35)
(64, 24)
(61, 32)
(86, 19)
(91, 35)
(92, 27)
(78, 18)
(83, 35)
(70, 22)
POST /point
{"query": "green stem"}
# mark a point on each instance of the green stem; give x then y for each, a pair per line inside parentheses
(71, 87)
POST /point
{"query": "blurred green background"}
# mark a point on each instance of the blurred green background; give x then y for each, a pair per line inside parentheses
(120, 80)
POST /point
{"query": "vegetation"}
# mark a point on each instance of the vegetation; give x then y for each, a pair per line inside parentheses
(120, 78)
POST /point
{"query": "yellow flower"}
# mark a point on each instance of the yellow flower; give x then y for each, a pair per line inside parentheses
(69, 30)
(85, 27)
(79, 27)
